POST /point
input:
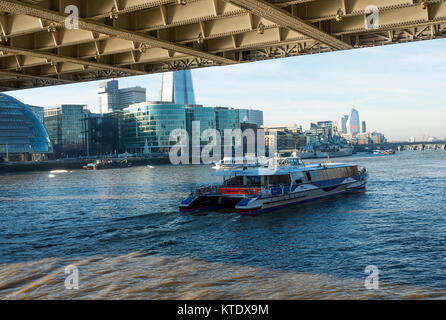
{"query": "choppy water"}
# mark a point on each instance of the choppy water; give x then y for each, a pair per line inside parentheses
(123, 230)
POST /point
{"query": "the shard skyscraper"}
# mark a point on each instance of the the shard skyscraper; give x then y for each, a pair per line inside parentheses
(177, 87)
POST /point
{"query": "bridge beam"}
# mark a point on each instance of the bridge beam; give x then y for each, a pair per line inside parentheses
(284, 19)
(18, 7)
(50, 57)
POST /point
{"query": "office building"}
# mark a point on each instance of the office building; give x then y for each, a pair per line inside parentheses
(108, 96)
(129, 96)
(177, 87)
(152, 122)
(364, 127)
(227, 119)
(22, 135)
(353, 122)
(285, 138)
(344, 121)
(323, 129)
(103, 133)
(112, 99)
(65, 126)
(251, 116)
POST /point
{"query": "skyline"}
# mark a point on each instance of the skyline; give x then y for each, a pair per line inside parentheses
(389, 86)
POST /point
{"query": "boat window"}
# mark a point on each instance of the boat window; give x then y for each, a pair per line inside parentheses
(234, 181)
(280, 179)
(253, 181)
(308, 176)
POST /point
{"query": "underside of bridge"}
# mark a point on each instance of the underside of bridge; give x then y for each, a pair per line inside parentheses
(40, 46)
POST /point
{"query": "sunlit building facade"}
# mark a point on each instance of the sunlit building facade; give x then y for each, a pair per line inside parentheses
(112, 99)
(344, 121)
(108, 96)
(204, 115)
(354, 126)
(129, 96)
(177, 87)
(251, 116)
(22, 134)
(152, 121)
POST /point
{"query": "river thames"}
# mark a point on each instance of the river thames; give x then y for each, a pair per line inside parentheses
(123, 230)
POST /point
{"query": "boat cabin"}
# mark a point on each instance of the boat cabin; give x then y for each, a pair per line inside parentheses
(270, 177)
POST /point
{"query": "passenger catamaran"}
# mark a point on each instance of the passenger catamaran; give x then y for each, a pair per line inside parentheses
(280, 183)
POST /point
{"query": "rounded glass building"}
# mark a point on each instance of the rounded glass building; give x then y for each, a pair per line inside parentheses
(152, 122)
(21, 132)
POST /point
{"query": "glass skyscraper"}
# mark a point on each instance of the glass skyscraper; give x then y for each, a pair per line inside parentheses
(344, 121)
(108, 96)
(112, 99)
(177, 87)
(152, 121)
(354, 126)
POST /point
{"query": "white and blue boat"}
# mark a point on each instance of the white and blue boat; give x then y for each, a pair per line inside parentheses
(282, 182)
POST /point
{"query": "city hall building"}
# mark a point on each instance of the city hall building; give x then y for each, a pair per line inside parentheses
(22, 135)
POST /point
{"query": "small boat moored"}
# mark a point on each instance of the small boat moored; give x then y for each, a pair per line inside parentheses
(107, 164)
(280, 183)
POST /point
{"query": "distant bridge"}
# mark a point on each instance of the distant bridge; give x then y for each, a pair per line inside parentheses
(42, 44)
(400, 146)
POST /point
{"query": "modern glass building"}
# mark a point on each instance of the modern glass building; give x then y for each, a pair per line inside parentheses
(103, 133)
(204, 115)
(177, 87)
(251, 116)
(112, 99)
(152, 121)
(108, 96)
(39, 112)
(226, 118)
(21, 132)
(344, 121)
(66, 128)
(354, 126)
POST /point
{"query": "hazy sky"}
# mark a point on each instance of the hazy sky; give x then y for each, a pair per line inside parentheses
(400, 90)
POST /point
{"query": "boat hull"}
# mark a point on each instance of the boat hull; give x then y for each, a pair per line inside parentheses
(290, 202)
(258, 203)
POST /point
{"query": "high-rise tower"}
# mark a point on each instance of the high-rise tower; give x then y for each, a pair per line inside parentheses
(354, 126)
(177, 87)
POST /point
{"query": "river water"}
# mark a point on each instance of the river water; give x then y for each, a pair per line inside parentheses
(123, 231)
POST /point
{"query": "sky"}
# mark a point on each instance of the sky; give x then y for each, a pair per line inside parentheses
(399, 90)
